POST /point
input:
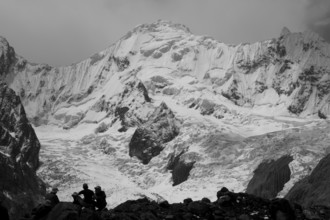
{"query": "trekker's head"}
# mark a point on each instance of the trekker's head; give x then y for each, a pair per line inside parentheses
(54, 190)
(97, 188)
(85, 186)
(74, 195)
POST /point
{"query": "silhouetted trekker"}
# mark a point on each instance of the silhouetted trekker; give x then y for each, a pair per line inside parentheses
(225, 197)
(88, 194)
(187, 201)
(3, 212)
(100, 198)
(222, 192)
(76, 197)
(78, 202)
(52, 197)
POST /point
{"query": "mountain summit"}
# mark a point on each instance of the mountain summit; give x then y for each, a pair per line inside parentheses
(222, 103)
(292, 69)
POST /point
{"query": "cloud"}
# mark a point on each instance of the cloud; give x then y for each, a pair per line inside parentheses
(318, 17)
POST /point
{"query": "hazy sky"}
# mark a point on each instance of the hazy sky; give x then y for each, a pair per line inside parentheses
(60, 32)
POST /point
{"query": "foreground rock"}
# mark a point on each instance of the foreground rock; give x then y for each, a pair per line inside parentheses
(236, 206)
(19, 156)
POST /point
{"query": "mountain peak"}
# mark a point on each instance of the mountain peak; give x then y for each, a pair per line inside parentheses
(285, 31)
(4, 43)
(161, 25)
(7, 55)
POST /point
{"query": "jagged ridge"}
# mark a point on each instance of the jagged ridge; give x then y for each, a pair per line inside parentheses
(21, 189)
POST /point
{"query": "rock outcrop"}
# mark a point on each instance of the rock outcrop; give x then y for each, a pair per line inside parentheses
(239, 206)
(19, 156)
(148, 140)
(7, 56)
(180, 168)
(132, 106)
(313, 189)
(270, 177)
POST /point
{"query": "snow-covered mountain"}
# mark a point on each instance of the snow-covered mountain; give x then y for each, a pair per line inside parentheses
(283, 75)
(187, 106)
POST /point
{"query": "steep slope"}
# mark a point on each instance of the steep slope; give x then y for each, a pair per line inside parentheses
(313, 189)
(226, 98)
(19, 156)
(293, 70)
(270, 177)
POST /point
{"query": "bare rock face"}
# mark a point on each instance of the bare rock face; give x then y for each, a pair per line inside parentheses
(270, 177)
(132, 105)
(19, 156)
(7, 56)
(313, 189)
(180, 168)
(149, 139)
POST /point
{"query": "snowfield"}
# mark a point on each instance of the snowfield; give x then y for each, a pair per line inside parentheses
(72, 157)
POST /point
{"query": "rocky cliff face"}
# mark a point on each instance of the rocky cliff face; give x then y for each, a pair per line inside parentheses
(270, 177)
(19, 156)
(313, 189)
(7, 56)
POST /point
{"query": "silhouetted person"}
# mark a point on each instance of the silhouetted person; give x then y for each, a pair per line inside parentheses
(222, 192)
(100, 198)
(187, 201)
(78, 202)
(76, 199)
(225, 197)
(52, 197)
(88, 194)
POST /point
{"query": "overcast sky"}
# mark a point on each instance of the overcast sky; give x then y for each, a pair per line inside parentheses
(60, 32)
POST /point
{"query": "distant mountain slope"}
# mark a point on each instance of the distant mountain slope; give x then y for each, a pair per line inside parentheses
(289, 74)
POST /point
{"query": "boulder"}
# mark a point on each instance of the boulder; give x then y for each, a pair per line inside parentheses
(64, 211)
(270, 177)
(148, 140)
(313, 189)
